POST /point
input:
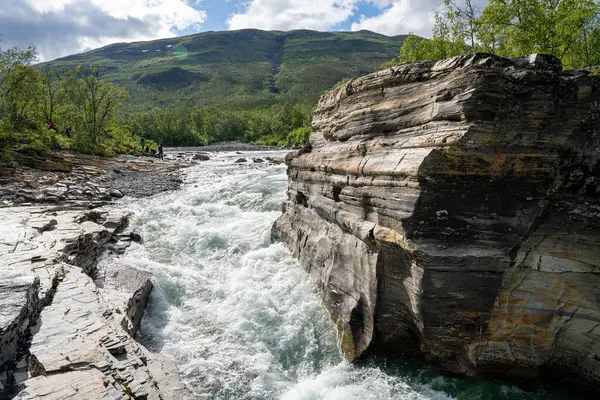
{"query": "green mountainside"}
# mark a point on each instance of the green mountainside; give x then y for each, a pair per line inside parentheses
(236, 69)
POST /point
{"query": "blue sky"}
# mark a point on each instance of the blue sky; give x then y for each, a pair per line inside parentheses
(62, 27)
(218, 12)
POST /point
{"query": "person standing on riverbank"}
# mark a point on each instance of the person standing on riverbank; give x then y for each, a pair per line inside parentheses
(160, 151)
(143, 144)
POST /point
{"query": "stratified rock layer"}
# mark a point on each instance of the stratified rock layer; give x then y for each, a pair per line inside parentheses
(452, 210)
(63, 336)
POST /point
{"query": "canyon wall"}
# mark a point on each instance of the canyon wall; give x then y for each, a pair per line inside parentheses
(451, 210)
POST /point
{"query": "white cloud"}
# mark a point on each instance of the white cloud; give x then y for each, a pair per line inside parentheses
(62, 27)
(395, 16)
(400, 17)
(292, 14)
(47, 6)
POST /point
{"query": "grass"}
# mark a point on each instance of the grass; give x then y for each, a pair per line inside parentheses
(234, 69)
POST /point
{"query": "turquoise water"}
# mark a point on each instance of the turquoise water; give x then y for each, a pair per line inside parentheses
(240, 317)
(417, 373)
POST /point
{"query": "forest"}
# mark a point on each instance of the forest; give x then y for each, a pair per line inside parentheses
(41, 110)
(45, 108)
(566, 29)
(278, 125)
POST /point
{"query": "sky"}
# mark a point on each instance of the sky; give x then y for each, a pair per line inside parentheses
(62, 27)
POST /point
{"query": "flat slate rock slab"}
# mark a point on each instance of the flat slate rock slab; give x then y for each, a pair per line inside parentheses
(81, 343)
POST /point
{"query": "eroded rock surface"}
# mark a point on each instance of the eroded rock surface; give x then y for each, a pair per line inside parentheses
(85, 180)
(62, 335)
(451, 209)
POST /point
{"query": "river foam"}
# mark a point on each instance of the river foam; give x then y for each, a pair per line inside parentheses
(239, 316)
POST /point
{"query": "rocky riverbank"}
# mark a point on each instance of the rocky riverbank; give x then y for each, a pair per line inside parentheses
(66, 329)
(451, 210)
(82, 180)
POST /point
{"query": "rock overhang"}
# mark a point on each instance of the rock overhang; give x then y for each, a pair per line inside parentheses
(425, 188)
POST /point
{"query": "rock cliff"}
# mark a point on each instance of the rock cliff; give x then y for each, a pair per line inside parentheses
(63, 335)
(451, 210)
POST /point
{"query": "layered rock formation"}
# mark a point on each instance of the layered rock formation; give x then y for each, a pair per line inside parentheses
(451, 209)
(62, 335)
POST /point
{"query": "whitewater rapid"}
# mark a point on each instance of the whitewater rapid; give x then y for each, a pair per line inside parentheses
(239, 316)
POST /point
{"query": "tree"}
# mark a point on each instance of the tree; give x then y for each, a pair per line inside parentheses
(164, 126)
(52, 92)
(19, 87)
(449, 33)
(587, 51)
(566, 29)
(470, 26)
(31, 98)
(413, 49)
(96, 101)
(555, 27)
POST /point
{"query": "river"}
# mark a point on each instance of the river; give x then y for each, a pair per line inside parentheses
(239, 316)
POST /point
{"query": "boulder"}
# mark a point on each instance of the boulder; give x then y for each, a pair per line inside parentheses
(136, 237)
(451, 210)
(116, 193)
(128, 290)
(241, 160)
(275, 161)
(51, 163)
(201, 157)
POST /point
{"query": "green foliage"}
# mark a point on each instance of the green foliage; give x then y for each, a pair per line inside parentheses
(341, 83)
(82, 110)
(235, 70)
(78, 106)
(214, 124)
(414, 49)
(163, 126)
(246, 85)
(566, 29)
(269, 125)
(299, 136)
(95, 100)
(117, 140)
(6, 139)
(19, 87)
(41, 141)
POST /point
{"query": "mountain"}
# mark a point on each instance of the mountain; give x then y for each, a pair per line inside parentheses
(237, 69)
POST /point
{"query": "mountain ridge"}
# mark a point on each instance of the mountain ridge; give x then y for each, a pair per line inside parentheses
(237, 69)
(362, 31)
